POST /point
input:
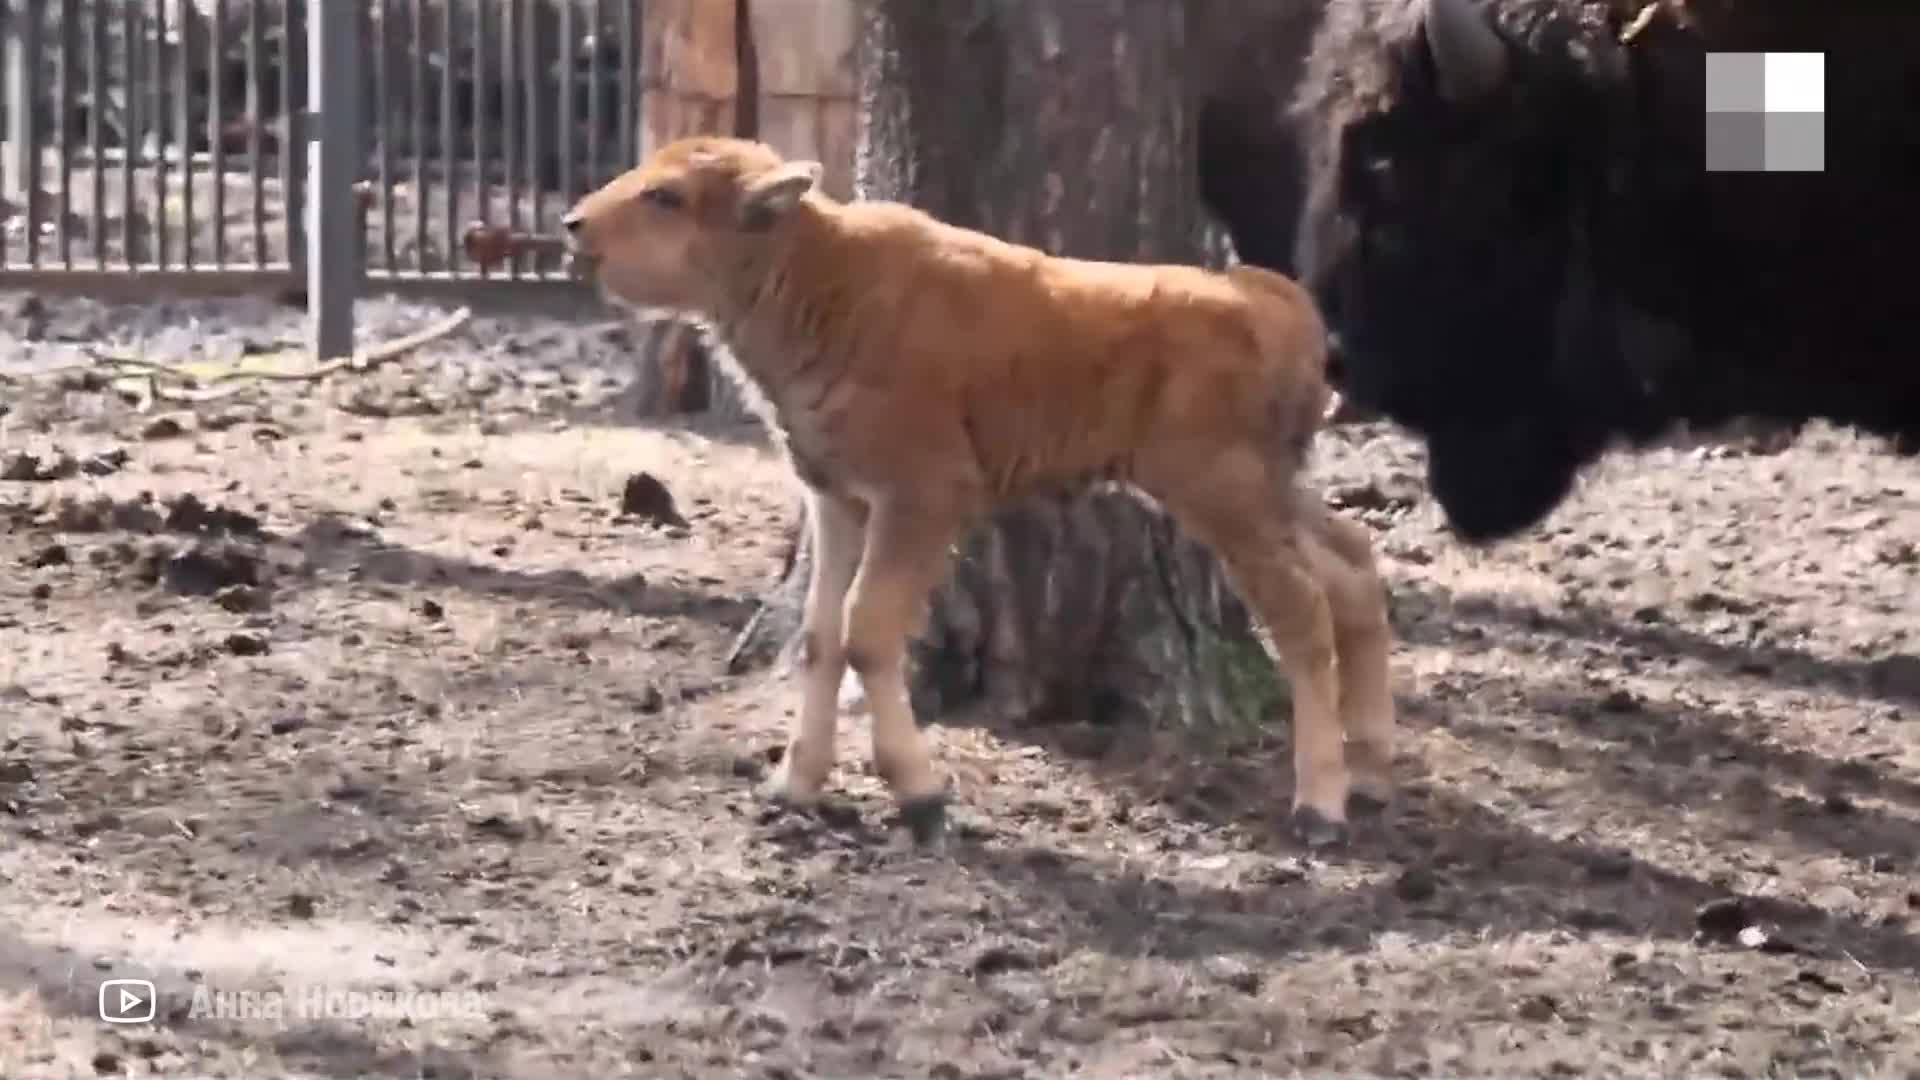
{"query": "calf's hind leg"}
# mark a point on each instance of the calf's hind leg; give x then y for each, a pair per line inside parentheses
(1230, 507)
(838, 532)
(1342, 554)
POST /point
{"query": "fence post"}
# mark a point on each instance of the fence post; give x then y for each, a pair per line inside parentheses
(335, 154)
(21, 61)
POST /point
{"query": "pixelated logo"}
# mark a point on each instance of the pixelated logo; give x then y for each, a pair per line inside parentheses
(1766, 112)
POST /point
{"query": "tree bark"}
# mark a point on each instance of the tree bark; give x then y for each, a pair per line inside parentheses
(1067, 124)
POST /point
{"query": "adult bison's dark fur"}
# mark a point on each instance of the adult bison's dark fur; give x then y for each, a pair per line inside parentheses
(1512, 231)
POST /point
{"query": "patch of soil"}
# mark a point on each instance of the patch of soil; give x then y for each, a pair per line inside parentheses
(420, 702)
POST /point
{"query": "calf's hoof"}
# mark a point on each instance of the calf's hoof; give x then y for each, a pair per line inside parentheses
(1368, 801)
(1317, 830)
(925, 817)
(779, 790)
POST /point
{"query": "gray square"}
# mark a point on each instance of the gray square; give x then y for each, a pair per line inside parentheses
(1736, 82)
(1737, 142)
(1796, 142)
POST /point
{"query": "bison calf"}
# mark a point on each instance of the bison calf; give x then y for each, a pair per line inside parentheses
(920, 374)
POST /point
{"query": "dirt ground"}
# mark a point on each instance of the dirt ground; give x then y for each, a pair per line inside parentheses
(375, 685)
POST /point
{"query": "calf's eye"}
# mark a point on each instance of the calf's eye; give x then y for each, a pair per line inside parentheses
(665, 198)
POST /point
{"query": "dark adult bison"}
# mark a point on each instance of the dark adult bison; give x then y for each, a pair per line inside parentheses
(1511, 228)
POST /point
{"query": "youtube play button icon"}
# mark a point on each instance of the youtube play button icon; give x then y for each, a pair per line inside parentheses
(128, 1001)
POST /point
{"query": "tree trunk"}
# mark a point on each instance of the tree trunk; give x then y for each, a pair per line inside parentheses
(1067, 124)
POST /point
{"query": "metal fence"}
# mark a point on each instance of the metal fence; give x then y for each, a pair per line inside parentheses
(166, 143)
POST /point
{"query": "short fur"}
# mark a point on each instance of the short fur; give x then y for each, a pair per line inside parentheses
(922, 374)
(1529, 275)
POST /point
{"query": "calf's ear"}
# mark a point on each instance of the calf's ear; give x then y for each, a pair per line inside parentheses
(773, 194)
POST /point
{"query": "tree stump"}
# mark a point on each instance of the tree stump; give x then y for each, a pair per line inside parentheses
(1067, 125)
(674, 374)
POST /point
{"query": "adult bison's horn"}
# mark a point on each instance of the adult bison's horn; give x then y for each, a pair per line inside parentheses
(1468, 56)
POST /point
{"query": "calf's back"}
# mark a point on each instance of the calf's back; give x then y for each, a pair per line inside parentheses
(886, 340)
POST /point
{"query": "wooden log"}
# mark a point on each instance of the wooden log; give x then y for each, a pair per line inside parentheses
(805, 94)
(675, 376)
(825, 129)
(690, 72)
(807, 73)
(807, 47)
(689, 85)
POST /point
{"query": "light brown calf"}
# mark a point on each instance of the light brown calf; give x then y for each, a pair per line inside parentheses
(922, 374)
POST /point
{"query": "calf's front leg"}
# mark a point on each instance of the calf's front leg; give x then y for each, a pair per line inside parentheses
(904, 559)
(838, 529)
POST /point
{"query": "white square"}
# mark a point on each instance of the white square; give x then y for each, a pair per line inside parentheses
(1796, 82)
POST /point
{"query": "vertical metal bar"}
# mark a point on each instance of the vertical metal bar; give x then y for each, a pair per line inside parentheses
(482, 89)
(256, 118)
(159, 114)
(417, 73)
(10, 94)
(183, 124)
(293, 149)
(596, 156)
(530, 82)
(9, 54)
(22, 155)
(512, 27)
(129, 129)
(629, 87)
(216, 128)
(96, 121)
(383, 108)
(63, 124)
(563, 99)
(25, 66)
(334, 262)
(449, 158)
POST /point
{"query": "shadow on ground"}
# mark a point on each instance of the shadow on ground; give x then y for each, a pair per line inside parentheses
(1893, 678)
(1455, 867)
(1445, 863)
(332, 542)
